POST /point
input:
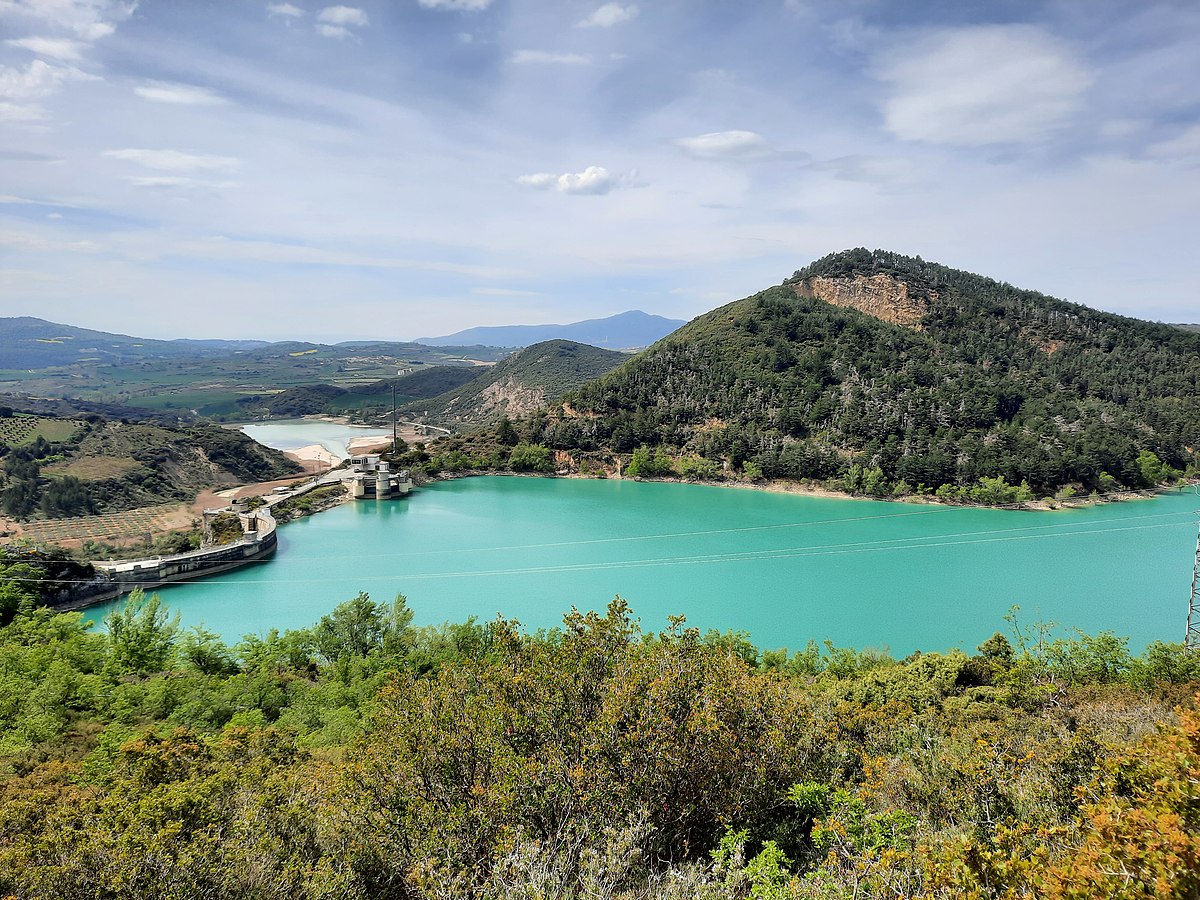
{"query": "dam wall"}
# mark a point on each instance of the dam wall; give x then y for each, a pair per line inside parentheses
(116, 578)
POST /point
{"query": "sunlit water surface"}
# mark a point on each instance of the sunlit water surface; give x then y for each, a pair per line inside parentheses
(784, 568)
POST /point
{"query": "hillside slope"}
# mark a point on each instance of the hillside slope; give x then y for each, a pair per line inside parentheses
(314, 399)
(525, 382)
(928, 375)
(54, 467)
(622, 331)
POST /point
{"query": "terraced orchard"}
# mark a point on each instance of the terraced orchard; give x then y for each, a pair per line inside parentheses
(134, 523)
(20, 430)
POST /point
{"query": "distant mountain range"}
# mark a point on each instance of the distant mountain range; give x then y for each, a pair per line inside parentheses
(624, 331)
(31, 343)
(27, 342)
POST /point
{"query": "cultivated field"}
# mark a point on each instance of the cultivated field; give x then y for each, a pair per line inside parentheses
(92, 468)
(114, 527)
(19, 430)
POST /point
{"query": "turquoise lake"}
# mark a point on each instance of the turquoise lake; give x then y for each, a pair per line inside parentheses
(785, 568)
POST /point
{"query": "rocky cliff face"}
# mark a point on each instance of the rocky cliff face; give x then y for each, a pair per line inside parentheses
(511, 398)
(881, 296)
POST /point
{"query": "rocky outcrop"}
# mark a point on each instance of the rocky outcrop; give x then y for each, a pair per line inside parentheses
(880, 296)
(510, 397)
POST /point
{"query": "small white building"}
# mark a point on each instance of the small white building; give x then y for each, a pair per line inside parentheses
(366, 462)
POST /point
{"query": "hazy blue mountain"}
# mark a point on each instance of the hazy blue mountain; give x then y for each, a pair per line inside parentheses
(27, 342)
(620, 332)
(31, 343)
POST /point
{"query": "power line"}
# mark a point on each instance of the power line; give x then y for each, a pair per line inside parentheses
(852, 547)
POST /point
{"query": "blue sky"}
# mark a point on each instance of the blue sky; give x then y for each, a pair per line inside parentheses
(413, 167)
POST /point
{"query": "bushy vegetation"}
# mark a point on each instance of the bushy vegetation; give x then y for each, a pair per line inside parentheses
(540, 374)
(367, 758)
(132, 465)
(997, 383)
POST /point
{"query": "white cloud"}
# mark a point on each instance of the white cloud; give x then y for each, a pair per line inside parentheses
(89, 20)
(608, 15)
(173, 160)
(21, 88)
(58, 48)
(982, 85)
(158, 181)
(456, 5)
(163, 182)
(536, 57)
(343, 15)
(220, 247)
(286, 10)
(185, 94)
(733, 145)
(592, 180)
(880, 170)
(1185, 144)
(333, 31)
(504, 292)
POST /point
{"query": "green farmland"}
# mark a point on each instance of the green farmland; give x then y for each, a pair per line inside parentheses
(21, 430)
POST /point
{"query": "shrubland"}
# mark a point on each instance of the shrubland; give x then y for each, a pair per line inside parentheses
(366, 757)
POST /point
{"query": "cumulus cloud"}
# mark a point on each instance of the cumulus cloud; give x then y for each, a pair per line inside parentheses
(21, 89)
(343, 15)
(456, 5)
(284, 10)
(336, 21)
(729, 145)
(58, 48)
(982, 85)
(608, 15)
(184, 94)
(592, 180)
(173, 160)
(536, 57)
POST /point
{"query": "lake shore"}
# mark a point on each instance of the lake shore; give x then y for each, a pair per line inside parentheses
(813, 489)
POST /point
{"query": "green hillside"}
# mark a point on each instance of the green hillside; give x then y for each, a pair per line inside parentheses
(54, 468)
(527, 381)
(891, 374)
(314, 399)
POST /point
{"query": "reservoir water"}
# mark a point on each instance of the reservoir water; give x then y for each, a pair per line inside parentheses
(785, 568)
(292, 434)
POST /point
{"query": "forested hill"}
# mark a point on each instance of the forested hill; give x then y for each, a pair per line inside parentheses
(53, 467)
(906, 373)
(525, 382)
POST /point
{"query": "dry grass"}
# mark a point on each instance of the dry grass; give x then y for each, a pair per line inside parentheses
(93, 468)
(133, 523)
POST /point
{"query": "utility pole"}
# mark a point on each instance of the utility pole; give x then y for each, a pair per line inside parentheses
(1192, 640)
